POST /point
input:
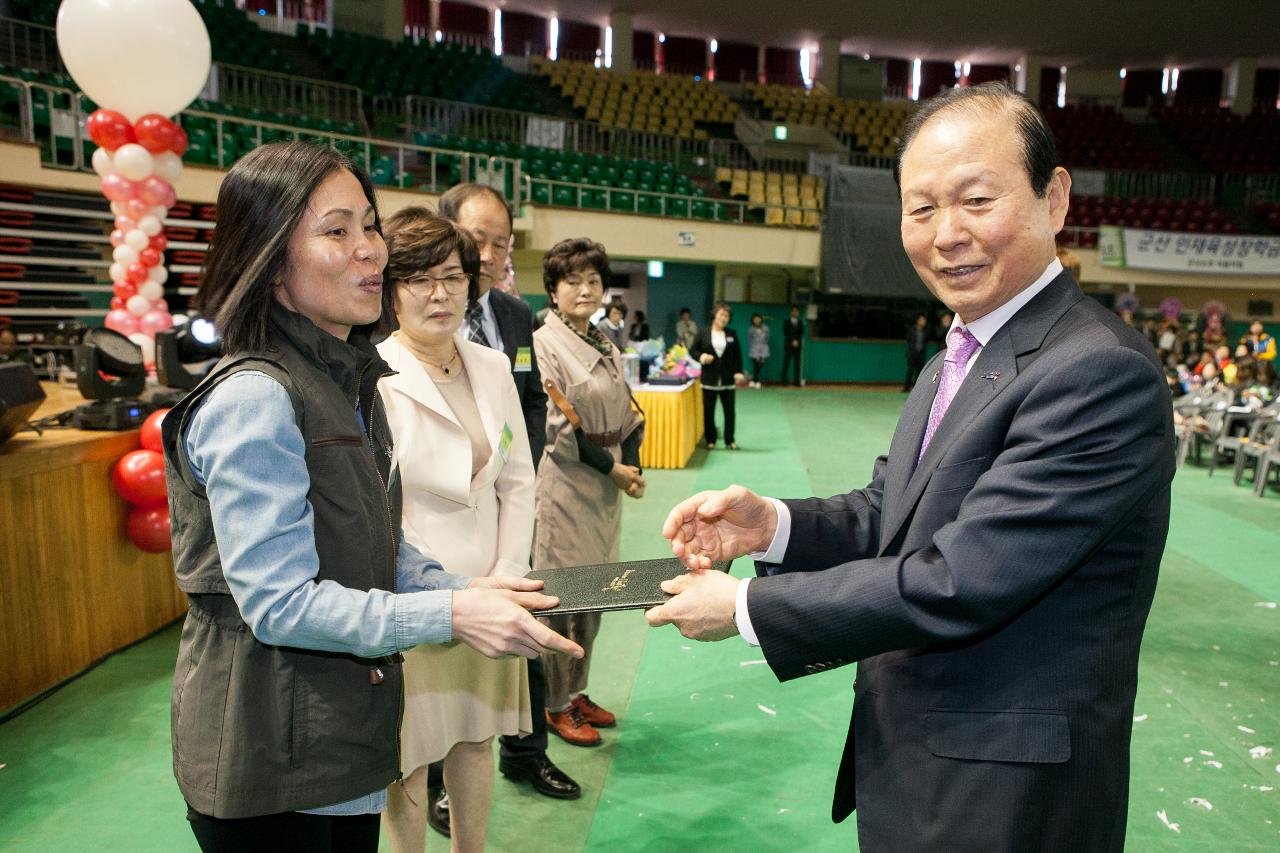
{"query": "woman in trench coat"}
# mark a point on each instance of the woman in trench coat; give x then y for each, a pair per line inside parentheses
(585, 471)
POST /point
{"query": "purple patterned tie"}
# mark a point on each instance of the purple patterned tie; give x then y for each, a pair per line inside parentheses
(961, 346)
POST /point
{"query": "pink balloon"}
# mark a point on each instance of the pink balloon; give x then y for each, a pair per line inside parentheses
(156, 190)
(162, 305)
(155, 321)
(117, 236)
(125, 224)
(122, 322)
(136, 209)
(118, 188)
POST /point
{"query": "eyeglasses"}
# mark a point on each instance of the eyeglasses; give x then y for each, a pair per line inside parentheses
(455, 284)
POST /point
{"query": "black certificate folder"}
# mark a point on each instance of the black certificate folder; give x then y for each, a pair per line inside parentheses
(613, 586)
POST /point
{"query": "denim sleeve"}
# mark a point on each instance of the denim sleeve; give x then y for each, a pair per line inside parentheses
(264, 527)
(416, 572)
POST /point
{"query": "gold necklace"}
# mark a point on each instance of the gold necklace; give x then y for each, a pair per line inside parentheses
(421, 356)
(444, 368)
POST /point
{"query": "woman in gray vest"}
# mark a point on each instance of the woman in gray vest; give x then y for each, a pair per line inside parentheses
(285, 504)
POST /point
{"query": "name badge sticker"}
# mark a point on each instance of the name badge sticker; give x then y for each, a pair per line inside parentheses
(504, 442)
(524, 360)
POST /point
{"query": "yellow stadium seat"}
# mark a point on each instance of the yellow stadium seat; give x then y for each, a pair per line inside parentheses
(773, 216)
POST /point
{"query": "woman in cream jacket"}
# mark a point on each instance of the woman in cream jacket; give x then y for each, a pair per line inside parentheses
(463, 457)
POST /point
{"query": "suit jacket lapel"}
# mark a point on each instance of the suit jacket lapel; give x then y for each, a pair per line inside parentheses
(500, 320)
(994, 369)
(907, 437)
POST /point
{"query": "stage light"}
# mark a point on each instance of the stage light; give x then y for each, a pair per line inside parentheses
(195, 344)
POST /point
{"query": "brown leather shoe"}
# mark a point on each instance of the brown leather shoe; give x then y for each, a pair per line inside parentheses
(591, 712)
(570, 726)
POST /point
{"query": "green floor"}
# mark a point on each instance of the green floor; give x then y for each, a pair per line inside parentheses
(712, 753)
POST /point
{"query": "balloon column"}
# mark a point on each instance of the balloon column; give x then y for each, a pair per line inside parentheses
(139, 478)
(139, 155)
(139, 164)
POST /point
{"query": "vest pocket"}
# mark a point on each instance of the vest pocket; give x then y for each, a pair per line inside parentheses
(328, 440)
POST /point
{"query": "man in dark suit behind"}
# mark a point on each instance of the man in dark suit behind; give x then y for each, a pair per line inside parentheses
(994, 578)
(505, 322)
(917, 347)
(792, 345)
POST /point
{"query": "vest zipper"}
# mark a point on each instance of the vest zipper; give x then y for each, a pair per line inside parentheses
(395, 544)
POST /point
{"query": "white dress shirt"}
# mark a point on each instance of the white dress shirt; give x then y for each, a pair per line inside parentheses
(984, 329)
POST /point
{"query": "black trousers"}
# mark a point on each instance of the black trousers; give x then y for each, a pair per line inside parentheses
(791, 359)
(727, 398)
(288, 831)
(534, 745)
(757, 367)
(915, 363)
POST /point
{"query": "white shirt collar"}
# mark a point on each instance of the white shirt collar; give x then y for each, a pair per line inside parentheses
(985, 328)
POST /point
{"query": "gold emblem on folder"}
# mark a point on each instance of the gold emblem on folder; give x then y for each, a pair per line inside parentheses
(619, 583)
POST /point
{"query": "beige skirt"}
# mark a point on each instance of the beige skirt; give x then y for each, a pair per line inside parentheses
(454, 694)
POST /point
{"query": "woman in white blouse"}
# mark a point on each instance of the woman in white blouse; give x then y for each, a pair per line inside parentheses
(463, 456)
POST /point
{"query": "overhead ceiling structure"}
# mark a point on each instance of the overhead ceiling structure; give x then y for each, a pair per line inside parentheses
(1138, 33)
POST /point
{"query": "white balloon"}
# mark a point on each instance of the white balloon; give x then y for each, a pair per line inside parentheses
(124, 254)
(167, 165)
(137, 305)
(151, 290)
(113, 48)
(133, 161)
(150, 225)
(159, 212)
(102, 165)
(117, 207)
(147, 343)
(158, 273)
(136, 239)
(117, 272)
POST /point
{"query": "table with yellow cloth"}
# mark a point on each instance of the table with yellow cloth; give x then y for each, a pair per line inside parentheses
(673, 423)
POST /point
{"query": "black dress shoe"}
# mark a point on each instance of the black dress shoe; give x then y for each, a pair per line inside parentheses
(438, 810)
(546, 778)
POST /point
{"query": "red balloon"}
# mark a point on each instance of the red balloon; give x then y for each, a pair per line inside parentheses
(109, 129)
(180, 144)
(156, 133)
(148, 528)
(117, 304)
(159, 242)
(122, 290)
(139, 478)
(150, 435)
(137, 274)
(149, 257)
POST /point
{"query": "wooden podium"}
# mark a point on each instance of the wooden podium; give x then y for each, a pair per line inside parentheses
(73, 588)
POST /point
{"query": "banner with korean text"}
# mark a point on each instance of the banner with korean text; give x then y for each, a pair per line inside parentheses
(1172, 251)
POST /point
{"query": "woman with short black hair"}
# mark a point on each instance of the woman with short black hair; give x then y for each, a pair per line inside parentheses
(584, 470)
(717, 348)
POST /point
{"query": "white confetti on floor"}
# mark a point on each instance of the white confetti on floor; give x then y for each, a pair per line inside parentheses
(1164, 818)
(1260, 752)
(771, 712)
(1141, 718)
(1270, 605)
(1202, 803)
(1246, 730)
(752, 662)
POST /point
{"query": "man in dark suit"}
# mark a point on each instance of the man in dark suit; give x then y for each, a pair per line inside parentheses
(505, 322)
(994, 578)
(917, 345)
(792, 345)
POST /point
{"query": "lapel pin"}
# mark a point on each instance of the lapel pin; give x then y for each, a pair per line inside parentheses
(993, 376)
(935, 378)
